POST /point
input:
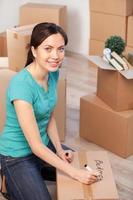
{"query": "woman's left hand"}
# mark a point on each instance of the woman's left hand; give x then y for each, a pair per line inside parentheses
(66, 155)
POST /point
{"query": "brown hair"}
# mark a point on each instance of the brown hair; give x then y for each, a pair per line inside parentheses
(40, 33)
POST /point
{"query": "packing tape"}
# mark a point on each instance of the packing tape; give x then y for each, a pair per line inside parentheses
(86, 188)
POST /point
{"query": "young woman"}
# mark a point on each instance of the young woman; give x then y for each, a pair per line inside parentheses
(29, 143)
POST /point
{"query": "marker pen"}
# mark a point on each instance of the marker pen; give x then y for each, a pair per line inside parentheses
(66, 153)
(88, 168)
(91, 170)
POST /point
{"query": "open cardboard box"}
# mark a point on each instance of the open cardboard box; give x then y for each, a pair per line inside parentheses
(114, 87)
(18, 39)
(68, 188)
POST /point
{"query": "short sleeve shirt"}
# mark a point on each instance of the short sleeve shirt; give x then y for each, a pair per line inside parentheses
(24, 87)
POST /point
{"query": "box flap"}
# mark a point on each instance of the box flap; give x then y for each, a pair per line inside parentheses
(128, 74)
(100, 62)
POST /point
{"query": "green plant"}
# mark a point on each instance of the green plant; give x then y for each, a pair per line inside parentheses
(115, 43)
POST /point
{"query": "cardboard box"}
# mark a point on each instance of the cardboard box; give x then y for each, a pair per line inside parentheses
(5, 77)
(3, 44)
(60, 110)
(68, 188)
(130, 32)
(102, 26)
(96, 47)
(105, 127)
(113, 87)
(119, 7)
(17, 41)
(128, 49)
(31, 13)
(4, 63)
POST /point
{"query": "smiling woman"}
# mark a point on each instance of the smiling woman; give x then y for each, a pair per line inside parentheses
(49, 54)
(29, 143)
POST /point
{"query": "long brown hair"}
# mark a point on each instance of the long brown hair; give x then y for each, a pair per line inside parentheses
(40, 33)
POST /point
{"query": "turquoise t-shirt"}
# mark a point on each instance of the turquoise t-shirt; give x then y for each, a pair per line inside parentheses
(23, 86)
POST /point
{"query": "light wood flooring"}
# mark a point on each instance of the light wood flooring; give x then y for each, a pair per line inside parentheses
(81, 80)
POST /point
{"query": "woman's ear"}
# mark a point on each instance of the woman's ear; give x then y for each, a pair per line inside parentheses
(33, 51)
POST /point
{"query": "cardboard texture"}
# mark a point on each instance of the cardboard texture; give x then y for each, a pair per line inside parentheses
(119, 7)
(128, 49)
(17, 42)
(102, 26)
(5, 77)
(96, 47)
(113, 87)
(60, 111)
(130, 32)
(31, 13)
(105, 127)
(68, 188)
(3, 44)
(4, 63)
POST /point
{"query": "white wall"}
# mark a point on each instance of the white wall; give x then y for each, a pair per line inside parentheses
(78, 20)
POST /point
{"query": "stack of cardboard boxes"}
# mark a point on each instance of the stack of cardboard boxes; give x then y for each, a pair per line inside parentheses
(109, 18)
(18, 39)
(129, 47)
(107, 117)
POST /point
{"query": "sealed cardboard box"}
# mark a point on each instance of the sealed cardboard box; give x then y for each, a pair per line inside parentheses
(3, 44)
(119, 7)
(96, 47)
(130, 31)
(106, 127)
(17, 43)
(4, 63)
(68, 188)
(60, 110)
(113, 87)
(102, 26)
(31, 13)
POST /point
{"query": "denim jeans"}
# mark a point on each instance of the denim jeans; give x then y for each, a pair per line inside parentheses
(25, 176)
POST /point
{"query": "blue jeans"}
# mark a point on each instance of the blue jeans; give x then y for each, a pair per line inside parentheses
(25, 176)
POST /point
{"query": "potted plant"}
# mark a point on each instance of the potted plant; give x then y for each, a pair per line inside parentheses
(115, 43)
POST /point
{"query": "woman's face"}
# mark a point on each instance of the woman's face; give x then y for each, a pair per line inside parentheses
(50, 53)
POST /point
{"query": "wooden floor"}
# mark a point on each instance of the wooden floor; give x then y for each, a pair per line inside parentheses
(81, 80)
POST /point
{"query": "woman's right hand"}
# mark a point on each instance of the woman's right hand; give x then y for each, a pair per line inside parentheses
(84, 176)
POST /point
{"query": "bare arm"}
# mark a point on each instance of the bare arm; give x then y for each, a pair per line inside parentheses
(53, 133)
(30, 129)
(54, 136)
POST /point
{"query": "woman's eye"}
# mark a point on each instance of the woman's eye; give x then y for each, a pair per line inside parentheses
(62, 49)
(48, 49)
